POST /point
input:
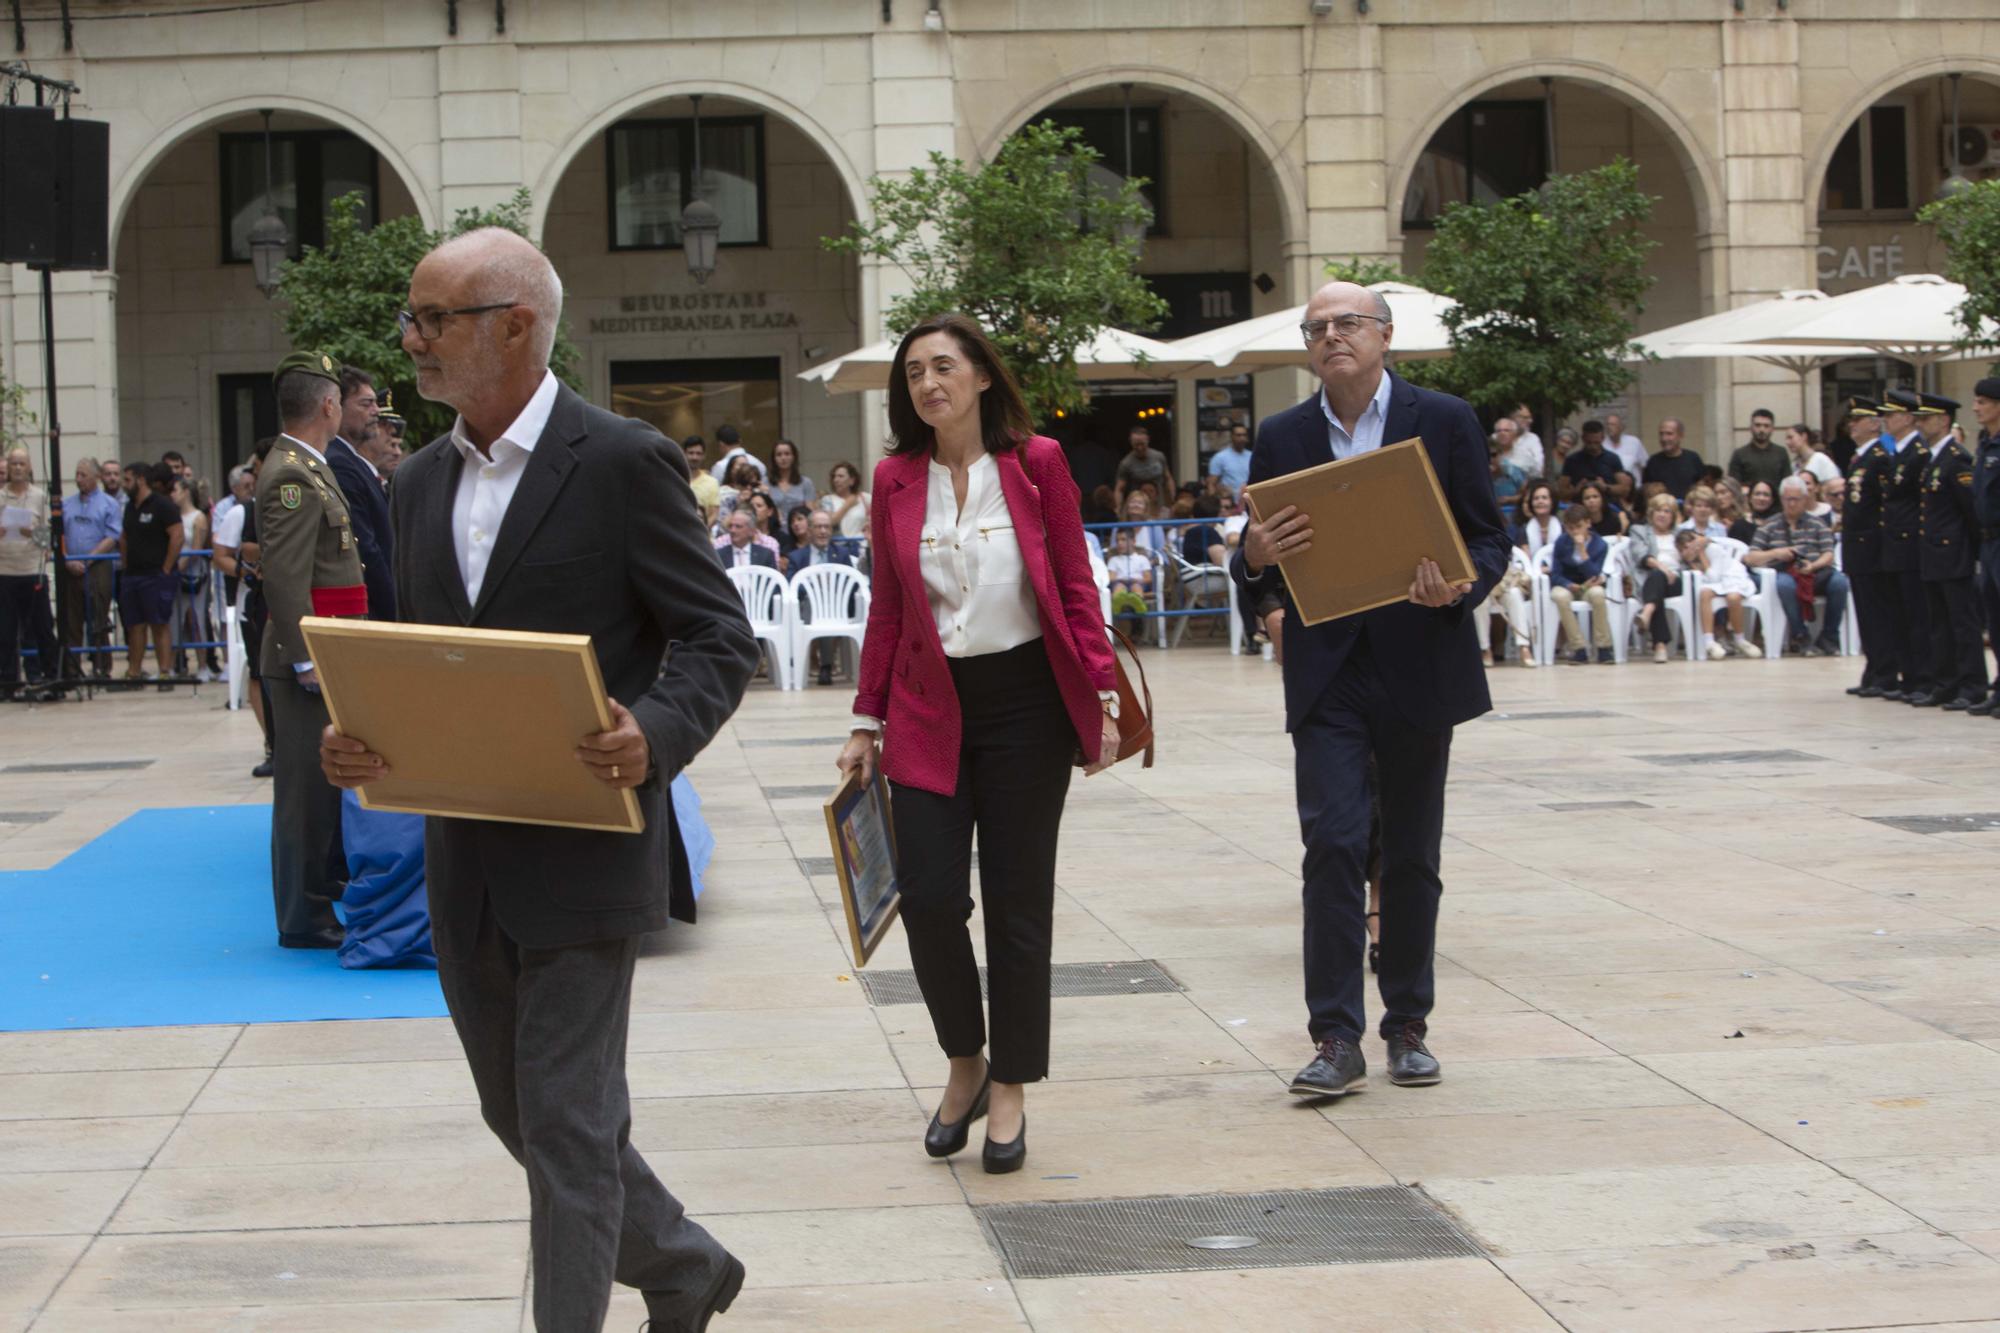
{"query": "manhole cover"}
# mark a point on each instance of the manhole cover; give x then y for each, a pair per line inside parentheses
(1188, 1233)
(86, 766)
(1067, 981)
(1980, 823)
(1733, 757)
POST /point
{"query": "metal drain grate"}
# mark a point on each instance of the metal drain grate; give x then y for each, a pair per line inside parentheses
(1595, 805)
(1559, 716)
(91, 766)
(1734, 757)
(1107, 1237)
(1067, 981)
(1985, 823)
(26, 816)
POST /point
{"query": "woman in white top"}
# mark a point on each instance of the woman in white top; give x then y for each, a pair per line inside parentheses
(24, 598)
(1539, 525)
(987, 672)
(846, 501)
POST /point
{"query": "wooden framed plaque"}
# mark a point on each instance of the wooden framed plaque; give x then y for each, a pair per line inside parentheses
(474, 723)
(863, 834)
(1374, 516)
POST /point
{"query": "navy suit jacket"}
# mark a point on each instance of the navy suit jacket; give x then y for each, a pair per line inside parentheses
(374, 535)
(1427, 657)
(759, 555)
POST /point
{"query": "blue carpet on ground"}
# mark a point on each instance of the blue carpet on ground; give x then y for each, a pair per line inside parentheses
(166, 920)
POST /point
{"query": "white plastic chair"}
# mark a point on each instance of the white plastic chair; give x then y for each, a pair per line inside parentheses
(1764, 608)
(1617, 600)
(1547, 623)
(1100, 574)
(236, 657)
(1196, 582)
(768, 602)
(836, 607)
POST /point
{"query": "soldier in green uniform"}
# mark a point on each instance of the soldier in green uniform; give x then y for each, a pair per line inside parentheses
(311, 567)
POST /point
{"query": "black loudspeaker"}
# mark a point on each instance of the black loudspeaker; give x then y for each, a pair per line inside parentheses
(27, 185)
(83, 194)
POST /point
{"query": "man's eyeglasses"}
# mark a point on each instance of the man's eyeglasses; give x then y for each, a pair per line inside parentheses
(1344, 325)
(430, 323)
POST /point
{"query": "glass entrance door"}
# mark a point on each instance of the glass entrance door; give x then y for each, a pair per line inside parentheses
(693, 397)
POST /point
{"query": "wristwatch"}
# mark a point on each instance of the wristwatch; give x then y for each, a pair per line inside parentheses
(1109, 698)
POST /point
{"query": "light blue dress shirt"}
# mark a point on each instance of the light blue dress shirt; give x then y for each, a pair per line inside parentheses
(1233, 468)
(89, 519)
(1367, 431)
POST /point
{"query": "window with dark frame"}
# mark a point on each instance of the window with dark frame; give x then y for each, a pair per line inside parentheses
(648, 179)
(246, 412)
(1486, 152)
(1103, 128)
(316, 166)
(1869, 173)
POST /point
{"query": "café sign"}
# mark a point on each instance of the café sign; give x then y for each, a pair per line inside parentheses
(696, 312)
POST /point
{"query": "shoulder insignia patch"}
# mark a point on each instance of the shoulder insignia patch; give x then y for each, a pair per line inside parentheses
(290, 494)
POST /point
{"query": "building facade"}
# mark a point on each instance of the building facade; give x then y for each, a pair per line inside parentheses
(1789, 145)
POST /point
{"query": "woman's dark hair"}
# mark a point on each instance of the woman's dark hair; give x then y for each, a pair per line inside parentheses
(847, 467)
(161, 477)
(1526, 502)
(798, 512)
(1003, 414)
(770, 527)
(1207, 506)
(1750, 500)
(1584, 491)
(790, 476)
(742, 472)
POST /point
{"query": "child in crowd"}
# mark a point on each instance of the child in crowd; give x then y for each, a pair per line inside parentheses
(1576, 570)
(1721, 573)
(1131, 576)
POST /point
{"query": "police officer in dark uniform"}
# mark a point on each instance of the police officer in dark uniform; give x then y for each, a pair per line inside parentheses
(1861, 549)
(311, 566)
(1902, 512)
(1986, 509)
(1946, 556)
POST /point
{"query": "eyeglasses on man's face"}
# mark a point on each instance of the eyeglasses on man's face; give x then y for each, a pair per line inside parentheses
(1345, 325)
(429, 324)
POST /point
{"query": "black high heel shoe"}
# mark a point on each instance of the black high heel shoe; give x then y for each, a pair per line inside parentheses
(1374, 948)
(1001, 1158)
(942, 1140)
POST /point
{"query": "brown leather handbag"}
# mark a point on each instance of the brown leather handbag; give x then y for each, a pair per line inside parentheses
(1135, 707)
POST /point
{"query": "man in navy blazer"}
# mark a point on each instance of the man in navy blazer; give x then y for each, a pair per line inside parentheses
(361, 484)
(1386, 686)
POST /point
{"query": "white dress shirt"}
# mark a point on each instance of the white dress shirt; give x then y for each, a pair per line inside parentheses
(1368, 429)
(1631, 451)
(486, 484)
(1527, 454)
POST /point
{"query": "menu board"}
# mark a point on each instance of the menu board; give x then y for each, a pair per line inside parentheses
(1220, 405)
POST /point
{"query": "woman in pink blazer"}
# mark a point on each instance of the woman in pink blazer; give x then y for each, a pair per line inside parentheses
(986, 675)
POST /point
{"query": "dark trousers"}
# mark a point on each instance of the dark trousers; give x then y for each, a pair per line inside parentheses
(24, 621)
(1989, 593)
(305, 813)
(1351, 723)
(1861, 598)
(1656, 589)
(1015, 755)
(1958, 657)
(1908, 613)
(544, 1033)
(89, 607)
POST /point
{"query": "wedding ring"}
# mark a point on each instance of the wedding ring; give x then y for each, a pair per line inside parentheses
(614, 771)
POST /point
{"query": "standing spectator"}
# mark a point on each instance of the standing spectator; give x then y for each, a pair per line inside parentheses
(1722, 574)
(111, 475)
(191, 616)
(1577, 570)
(789, 487)
(1507, 478)
(731, 442)
(24, 596)
(1143, 466)
(741, 485)
(1229, 470)
(1657, 563)
(1539, 526)
(230, 497)
(174, 459)
(1593, 462)
(846, 501)
(1799, 549)
(1507, 432)
(707, 490)
(1675, 467)
(1802, 444)
(1565, 445)
(1606, 519)
(1530, 444)
(92, 521)
(148, 553)
(1631, 450)
(1762, 459)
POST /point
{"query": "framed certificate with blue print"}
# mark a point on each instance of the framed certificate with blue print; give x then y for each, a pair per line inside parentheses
(858, 824)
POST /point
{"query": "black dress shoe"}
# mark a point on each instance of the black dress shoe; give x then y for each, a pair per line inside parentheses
(1337, 1070)
(1982, 709)
(263, 770)
(999, 1159)
(1922, 700)
(328, 937)
(1411, 1065)
(1956, 705)
(1867, 691)
(1861, 690)
(1894, 696)
(942, 1140)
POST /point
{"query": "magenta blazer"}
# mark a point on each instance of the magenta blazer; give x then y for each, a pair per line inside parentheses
(904, 679)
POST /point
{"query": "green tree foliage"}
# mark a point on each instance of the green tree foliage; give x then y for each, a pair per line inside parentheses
(341, 298)
(1548, 285)
(1969, 225)
(17, 423)
(1028, 245)
(1366, 272)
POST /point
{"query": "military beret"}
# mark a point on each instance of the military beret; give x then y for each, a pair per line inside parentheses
(1988, 388)
(312, 363)
(1936, 404)
(1901, 400)
(1861, 407)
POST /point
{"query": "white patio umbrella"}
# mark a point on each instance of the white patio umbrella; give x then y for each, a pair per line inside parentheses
(1755, 331)
(1273, 339)
(1913, 318)
(1111, 355)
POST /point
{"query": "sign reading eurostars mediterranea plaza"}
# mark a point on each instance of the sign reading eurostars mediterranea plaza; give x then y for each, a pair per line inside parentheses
(696, 312)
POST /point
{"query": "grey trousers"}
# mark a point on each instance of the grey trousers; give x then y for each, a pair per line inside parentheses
(305, 813)
(544, 1032)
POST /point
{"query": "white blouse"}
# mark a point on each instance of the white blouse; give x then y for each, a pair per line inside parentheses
(971, 562)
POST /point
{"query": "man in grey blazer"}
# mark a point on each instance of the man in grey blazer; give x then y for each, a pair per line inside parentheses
(541, 512)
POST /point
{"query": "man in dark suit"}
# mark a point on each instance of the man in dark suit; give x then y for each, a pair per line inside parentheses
(361, 483)
(1386, 685)
(541, 512)
(742, 546)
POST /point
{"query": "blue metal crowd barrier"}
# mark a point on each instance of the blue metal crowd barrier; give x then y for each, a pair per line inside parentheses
(217, 609)
(1161, 612)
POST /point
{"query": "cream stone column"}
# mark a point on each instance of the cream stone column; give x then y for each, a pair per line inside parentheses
(86, 321)
(1346, 171)
(1764, 175)
(479, 124)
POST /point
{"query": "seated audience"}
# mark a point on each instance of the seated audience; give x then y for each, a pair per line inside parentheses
(1131, 577)
(1631, 450)
(1675, 467)
(1657, 565)
(1539, 526)
(1606, 518)
(1509, 599)
(1576, 570)
(1701, 514)
(1799, 548)
(1760, 507)
(846, 501)
(1832, 501)
(1202, 543)
(797, 533)
(1803, 444)
(1139, 508)
(740, 532)
(1508, 479)
(1592, 462)
(1722, 575)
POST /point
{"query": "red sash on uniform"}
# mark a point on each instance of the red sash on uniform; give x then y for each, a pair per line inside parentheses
(348, 601)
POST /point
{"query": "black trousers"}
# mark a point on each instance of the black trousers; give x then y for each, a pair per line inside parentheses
(1861, 599)
(24, 621)
(1655, 591)
(1907, 611)
(90, 603)
(1351, 723)
(1958, 656)
(305, 813)
(544, 1033)
(1015, 756)
(1989, 592)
